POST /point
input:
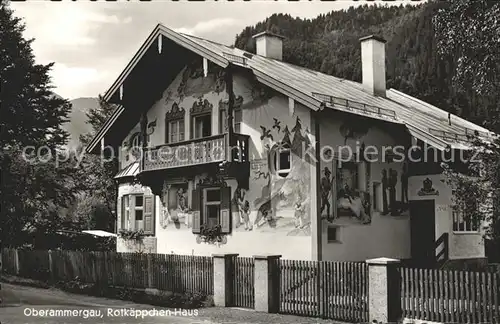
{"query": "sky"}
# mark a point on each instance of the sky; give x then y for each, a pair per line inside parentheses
(92, 42)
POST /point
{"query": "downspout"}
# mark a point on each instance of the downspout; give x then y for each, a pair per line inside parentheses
(318, 241)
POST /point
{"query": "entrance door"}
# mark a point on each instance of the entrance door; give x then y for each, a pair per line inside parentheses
(423, 232)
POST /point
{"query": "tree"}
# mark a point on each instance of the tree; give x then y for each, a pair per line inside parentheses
(471, 28)
(34, 189)
(98, 202)
(31, 114)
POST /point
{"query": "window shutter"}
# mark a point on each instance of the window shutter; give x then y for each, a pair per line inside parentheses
(131, 203)
(225, 210)
(195, 206)
(123, 212)
(149, 212)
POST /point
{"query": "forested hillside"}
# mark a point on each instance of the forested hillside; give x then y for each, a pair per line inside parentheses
(330, 44)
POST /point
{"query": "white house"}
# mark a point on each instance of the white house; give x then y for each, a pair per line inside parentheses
(222, 150)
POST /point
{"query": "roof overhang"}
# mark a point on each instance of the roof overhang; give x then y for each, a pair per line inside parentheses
(107, 125)
(162, 31)
(156, 36)
(427, 137)
(130, 171)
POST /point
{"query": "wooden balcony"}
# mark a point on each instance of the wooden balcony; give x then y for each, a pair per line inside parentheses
(213, 149)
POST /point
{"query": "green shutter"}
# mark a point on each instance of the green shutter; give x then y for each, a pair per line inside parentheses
(195, 206)
(225, 210)
(149, 212)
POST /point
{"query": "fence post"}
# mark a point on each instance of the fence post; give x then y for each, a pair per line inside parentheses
(223, 278)
(267, 279)
(149, 257)
(16, 262)
(51, 273)
(384, 296)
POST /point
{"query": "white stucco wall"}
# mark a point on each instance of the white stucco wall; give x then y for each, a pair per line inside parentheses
(461, 245)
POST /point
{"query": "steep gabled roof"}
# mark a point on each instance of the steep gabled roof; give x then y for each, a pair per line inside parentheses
(317, 90)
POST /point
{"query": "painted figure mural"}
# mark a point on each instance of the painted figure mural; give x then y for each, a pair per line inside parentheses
(175, 208)
(404, 183)
(326, 185)
(391, 206)
(243, 208)
(352, 201)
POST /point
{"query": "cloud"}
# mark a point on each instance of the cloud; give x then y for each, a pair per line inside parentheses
(208, 26)
(73, 82)
(64, 24)
(91, 42)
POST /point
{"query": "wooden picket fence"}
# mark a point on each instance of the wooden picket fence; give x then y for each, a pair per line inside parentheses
(333, 290)
(450, 296)
(243, 283)
(169, 272)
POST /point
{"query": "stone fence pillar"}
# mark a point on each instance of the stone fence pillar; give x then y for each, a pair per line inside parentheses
(223, 278)
(384, 296)
(267, 279)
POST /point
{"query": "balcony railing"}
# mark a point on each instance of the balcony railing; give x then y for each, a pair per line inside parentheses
(205, 150)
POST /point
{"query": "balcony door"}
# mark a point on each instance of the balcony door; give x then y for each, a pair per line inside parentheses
(202, 126)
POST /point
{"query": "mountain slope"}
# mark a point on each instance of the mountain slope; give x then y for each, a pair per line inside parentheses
(330, 44)
(78, 119)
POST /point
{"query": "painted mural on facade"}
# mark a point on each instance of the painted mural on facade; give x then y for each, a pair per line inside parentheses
(279, 198)
(353, 188)
(175, 211)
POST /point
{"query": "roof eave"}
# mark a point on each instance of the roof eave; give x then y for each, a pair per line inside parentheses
(427, 137)
(104, 129)
(173, 36)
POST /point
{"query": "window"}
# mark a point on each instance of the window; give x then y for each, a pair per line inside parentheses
(135, 146)
(237, 119)
(202, 126)
(136, 140)
(175, 131)
(283, 161)
(462, 223)
(377, 197)
(211, 207)
(333, 234)
(138, 213)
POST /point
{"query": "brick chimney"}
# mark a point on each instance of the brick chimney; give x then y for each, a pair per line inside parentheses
(373, 64)
(269, 45)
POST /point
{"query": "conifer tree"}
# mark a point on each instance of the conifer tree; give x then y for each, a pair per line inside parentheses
(32, 191)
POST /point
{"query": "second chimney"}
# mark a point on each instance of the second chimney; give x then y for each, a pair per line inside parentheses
(269, 45)
(373, 64)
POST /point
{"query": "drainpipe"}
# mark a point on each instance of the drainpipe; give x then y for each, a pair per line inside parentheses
(318, 241)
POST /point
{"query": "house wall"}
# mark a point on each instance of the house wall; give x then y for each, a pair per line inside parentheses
(149, 244)
(268, 118)
(375, 235)
(461, 245)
